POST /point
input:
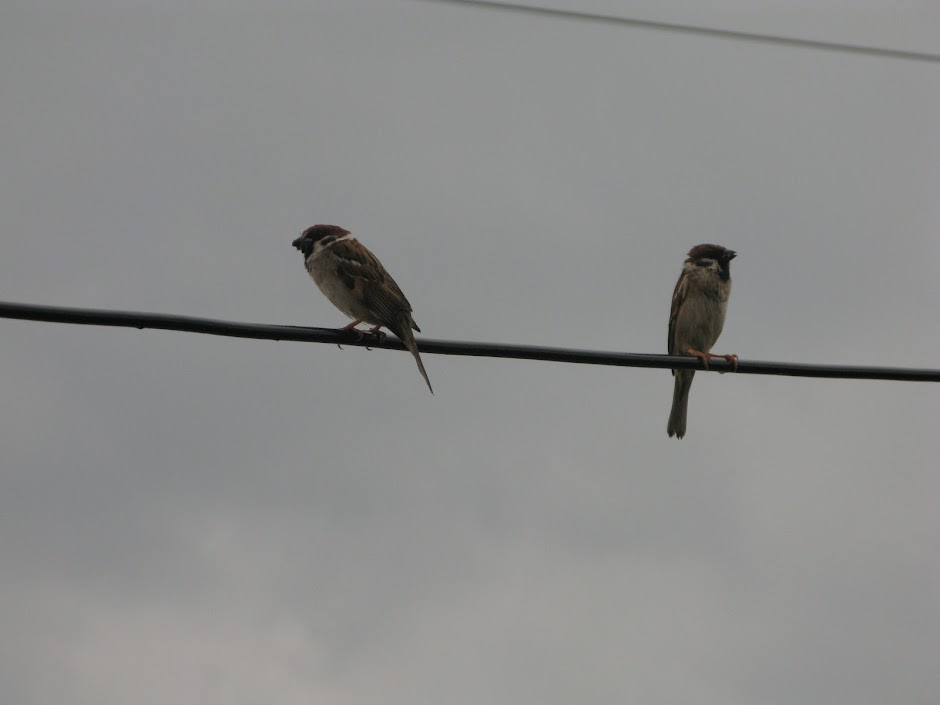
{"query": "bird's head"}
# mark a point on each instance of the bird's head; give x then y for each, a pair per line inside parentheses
(316, 237)
(714, 257)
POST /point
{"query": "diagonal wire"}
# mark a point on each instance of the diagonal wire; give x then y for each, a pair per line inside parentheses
(692, 29)
(137, 319)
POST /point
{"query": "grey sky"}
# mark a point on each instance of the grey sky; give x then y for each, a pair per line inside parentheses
(189, 519)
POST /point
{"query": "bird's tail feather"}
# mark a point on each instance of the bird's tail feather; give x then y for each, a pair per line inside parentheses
(408, 338)
(680, 403)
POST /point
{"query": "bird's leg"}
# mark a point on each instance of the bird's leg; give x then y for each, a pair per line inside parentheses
(380, 334)
(352, 327)
(700, 355)
(375, 331)
(733, 359)
(705, 357)
(360, 334)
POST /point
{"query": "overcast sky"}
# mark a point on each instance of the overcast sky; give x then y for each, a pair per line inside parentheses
(198, 520)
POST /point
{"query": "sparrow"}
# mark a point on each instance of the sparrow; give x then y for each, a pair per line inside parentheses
(699, 303)
(354, 281)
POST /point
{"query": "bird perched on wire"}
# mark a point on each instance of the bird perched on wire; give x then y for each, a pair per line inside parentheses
(699, 303)
(354, 281)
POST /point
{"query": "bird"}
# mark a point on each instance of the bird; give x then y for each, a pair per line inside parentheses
(354, 281)
(699, 303)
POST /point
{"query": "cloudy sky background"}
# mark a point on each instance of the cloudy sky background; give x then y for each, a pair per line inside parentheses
(191, 519)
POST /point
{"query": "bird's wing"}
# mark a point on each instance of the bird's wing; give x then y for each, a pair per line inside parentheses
(361, 271)
(678, 298)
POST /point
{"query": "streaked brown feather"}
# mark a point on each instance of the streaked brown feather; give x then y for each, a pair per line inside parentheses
(678, 297)
(362, 272)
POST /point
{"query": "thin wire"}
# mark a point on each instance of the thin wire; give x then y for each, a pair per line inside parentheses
(692, 29)
(139, 320)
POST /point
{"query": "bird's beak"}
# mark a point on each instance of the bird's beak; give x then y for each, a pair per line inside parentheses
(296, 243)
(731, 254)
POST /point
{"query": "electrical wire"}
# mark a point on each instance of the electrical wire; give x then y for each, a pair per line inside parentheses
(693, 29)
(262, 331)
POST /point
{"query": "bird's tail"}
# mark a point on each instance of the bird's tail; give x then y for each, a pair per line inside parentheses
(408, 338)
(680, 403)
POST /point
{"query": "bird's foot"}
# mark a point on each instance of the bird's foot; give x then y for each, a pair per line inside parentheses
(374, 330)
(705, 357)
(360, 334)
(700, 355)
(351, 327)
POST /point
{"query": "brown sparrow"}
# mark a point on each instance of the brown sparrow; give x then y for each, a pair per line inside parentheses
(354, 280)
(699, 303)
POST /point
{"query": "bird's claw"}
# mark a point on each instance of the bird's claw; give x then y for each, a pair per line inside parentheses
(380, 334)
(360, 334)
(700, 355)
(705, 357)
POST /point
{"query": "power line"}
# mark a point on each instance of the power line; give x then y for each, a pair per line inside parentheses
(139, 320)
(692, 29)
